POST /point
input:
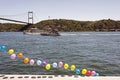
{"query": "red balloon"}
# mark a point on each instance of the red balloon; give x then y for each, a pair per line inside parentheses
(88, 73)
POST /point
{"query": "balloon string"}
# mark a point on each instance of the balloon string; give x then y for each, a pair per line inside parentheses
(47, 65)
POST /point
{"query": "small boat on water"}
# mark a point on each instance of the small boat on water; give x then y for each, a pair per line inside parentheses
(50, 33)
(35, 31)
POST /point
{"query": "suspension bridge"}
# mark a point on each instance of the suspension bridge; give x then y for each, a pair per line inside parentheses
(14, 20)
(27, 23)
(30, 18)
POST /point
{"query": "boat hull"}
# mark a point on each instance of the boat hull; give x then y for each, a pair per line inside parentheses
(42, 34)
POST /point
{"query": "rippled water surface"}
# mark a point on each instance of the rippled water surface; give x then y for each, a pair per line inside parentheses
(99, 51)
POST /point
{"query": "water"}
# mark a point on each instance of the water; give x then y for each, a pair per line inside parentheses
(99, 51)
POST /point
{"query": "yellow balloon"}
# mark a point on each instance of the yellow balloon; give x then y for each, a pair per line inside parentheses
(84, 71)
(47, 67)
(11, 51)
(26, 60)
(66, 66)
(72, 68)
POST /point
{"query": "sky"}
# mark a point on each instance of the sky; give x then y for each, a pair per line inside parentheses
(82, 10)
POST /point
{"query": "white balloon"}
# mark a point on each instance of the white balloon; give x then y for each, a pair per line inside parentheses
(54, 65)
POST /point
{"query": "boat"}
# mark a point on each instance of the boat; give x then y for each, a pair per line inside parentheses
(50, 33)
(36, 31)
(33, 31)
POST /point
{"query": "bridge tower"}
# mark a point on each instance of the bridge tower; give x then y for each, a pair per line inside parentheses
(30, 17)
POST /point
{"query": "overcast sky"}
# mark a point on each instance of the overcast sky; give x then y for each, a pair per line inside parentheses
(82, 10)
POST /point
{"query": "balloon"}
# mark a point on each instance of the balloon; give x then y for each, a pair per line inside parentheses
(12, 56)
(77, 71)
(72, 68)
(47, 67)
(26, 60)
(44, 63)
(60, 64)
(93, 73)
(32, 62)
(88, 73)
(84, 71)
(54, 65)
(0, 48)
(39, 62)
(97, 74)
(20, 55)
(66, 66)
(11, 51)
(3, 48)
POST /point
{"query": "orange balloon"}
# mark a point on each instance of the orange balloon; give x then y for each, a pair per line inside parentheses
(26, 61)
(20, 55)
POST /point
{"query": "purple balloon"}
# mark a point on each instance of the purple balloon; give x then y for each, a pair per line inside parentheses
(13, 56)
(44, 63)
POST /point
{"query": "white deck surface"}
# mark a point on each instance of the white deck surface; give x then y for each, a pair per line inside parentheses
(52, 77)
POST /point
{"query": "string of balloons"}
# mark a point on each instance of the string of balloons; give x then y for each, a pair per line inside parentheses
(46, 65)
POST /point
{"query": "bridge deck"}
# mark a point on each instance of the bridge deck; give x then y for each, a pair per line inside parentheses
(13, 20)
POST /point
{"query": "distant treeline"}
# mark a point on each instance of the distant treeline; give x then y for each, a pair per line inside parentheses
(8, 27)
(69, 25)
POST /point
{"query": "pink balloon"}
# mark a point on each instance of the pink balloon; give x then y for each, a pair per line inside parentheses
(32, 62)
(13, 56)
(60, 64)
(93, 73)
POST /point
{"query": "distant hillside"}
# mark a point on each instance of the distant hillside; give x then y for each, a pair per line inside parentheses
(72, 25)
(69, 25)
(8, 27)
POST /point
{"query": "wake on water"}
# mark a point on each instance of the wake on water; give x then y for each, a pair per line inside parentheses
(87, 34)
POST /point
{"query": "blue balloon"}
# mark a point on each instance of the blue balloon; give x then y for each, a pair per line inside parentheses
(97, 74)
(54, 65)
(0, 48)
(3, 48)
(77, 71)
(39, 62)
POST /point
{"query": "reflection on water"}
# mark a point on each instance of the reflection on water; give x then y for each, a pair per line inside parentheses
(97, 51)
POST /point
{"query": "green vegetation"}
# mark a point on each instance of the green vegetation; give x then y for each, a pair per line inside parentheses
(8, 27)
(69, 25)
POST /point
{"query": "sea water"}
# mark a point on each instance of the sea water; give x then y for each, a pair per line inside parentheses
(98, 51)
